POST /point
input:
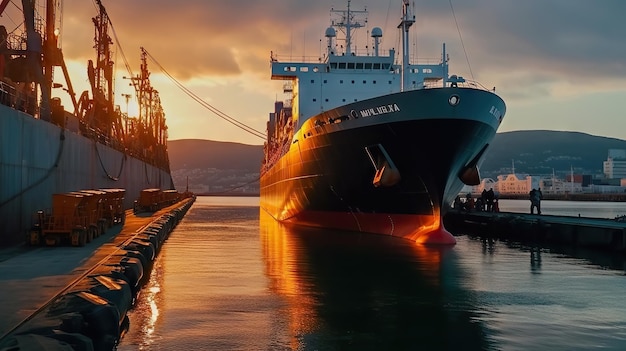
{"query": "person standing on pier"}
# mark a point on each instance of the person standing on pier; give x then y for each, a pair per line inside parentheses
(535, 200)
(539, 197)
(483, 197)
(490, 199)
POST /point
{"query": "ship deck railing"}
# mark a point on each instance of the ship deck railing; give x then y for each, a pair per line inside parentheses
(12, 97)
(432, 84)
(359, 53)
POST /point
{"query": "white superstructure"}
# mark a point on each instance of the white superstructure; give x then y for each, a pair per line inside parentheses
(344, 76)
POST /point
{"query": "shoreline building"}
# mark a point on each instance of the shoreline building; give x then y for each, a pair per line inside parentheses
(615, 165)
(518, 184)
(521, 184)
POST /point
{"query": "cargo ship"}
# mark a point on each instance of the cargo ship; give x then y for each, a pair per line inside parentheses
(365, 144)
(45, 149)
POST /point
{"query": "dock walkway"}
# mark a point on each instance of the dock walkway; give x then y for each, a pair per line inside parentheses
(598, 233)
(31, 276)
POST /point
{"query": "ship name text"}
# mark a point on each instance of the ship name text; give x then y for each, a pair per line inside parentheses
(380, 110)
(495, 112)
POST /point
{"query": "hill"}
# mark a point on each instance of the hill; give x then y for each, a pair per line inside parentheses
(213, 166)
(539, 152)
(198, 153)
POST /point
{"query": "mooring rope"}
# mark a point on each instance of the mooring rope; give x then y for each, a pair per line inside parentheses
(95, 145)
(42, 179)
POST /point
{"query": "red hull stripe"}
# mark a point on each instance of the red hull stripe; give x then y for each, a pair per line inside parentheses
(426, 229)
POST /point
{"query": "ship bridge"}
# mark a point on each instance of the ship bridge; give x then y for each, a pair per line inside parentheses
(320, 86)
(345, 76)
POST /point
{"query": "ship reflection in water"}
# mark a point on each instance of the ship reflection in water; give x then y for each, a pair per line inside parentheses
(230, 278)
(348, 291)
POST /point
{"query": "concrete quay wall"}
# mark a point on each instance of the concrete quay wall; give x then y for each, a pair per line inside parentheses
(604, 234)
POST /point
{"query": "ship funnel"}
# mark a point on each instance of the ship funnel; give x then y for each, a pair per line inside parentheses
(377, 33)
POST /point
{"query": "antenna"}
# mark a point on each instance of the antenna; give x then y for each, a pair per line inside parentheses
(346, 19)
(405, 24)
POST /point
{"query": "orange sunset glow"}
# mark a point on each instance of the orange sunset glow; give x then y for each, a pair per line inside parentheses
(220, 51)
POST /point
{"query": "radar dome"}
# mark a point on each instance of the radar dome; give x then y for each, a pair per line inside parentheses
(376, 32)
(330, 32)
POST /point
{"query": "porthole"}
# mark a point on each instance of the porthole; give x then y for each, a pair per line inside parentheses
(454, 100)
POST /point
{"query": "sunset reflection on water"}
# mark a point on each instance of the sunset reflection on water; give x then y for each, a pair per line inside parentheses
(347, 289)
(231, 278)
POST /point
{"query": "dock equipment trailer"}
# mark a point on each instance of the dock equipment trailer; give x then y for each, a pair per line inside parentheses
(170, 197)
(66, 222)
(113, 211)
(95, 212)
(149, 200)
(154, 199)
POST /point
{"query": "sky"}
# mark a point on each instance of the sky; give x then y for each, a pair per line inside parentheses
(558, 65)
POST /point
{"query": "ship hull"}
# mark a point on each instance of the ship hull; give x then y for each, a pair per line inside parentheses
(38, 159)
(327, 177)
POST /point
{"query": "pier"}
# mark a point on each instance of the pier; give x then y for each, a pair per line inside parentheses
(77, 297)
(597, 233)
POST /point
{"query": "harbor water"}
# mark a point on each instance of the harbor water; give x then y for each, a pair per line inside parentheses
(230, 278)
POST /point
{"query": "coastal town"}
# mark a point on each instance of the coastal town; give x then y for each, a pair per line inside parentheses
(608, 186)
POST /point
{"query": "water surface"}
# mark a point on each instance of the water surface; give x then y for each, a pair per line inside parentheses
(230, 278)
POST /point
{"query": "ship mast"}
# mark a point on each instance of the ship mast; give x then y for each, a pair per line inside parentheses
(347, 21)
(102, 115)
(405, 24)
(33, 57)
(153, 129)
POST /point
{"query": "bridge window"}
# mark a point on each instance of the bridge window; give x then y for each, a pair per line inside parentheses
(368, 66)
(333, 65)
(342, 65)
(377, 66)
(359, 65)
(350, 65)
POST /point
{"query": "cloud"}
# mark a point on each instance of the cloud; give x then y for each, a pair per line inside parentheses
(576, 40)
(528, 49)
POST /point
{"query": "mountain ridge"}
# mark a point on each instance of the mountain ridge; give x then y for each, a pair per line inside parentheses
(540, 152)
(209, 164)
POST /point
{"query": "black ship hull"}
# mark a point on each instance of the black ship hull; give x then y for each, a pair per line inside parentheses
(333, 175)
